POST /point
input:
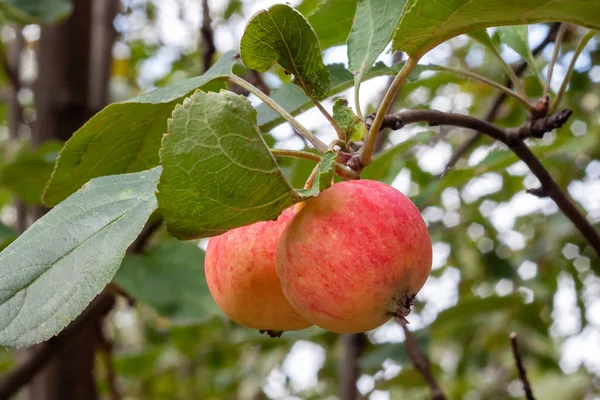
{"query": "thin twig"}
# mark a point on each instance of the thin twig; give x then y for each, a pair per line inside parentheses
(556, 50)
(207, 38)
(420, 362)
(353, 345)
(473, 75)
(563, 87)
(520, 367)
(513, 138)
(493, 110)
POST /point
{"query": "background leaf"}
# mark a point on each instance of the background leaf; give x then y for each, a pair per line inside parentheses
(35, 11)
(56, 268)
(516, 37)
(281, 34)
(123, 137)
(332, 21)
(353, 126)
(371, 33)
(422, 27)
(170, 278)
(28, 173)
(218, 172)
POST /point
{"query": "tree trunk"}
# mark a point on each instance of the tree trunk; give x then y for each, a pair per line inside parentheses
(72, 84)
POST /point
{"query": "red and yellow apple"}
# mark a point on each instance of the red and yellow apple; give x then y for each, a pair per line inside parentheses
(354, 256)
(242, 277)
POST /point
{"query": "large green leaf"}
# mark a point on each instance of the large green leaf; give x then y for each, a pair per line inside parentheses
(424, 24)
(371, 32)
(332, 21)
(123, 137)
(53, 270)
(170, 278)
(218, 171)
(35, 11)
(281, 34)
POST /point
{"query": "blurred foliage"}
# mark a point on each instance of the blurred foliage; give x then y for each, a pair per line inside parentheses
(504, 260)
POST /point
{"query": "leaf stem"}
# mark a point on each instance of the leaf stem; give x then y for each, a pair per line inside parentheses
(296, 154)
(340, 133)
(510, 72)
(340, 169)
(315, 141)
(367, 150)
(563, 87)
(473, 75)
(556, 50)
(357, 100)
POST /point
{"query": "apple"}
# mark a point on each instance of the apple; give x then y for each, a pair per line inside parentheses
(242, 278)
(354, 256)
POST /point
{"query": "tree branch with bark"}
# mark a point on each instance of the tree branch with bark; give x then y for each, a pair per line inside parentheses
(514, 139)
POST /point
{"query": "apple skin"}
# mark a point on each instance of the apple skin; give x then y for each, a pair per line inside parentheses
(242, 277)
(354, 256)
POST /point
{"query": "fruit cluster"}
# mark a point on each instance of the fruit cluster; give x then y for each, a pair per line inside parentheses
(348, 261)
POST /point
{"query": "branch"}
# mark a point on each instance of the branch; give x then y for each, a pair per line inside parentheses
(420, 362)
(207, 38)
(349, 371)
(513, 138)
(493, 111)
(520, 367)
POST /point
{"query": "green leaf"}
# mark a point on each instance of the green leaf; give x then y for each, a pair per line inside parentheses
(386, 166)
(332, 21)
(281, 34)
(27, 175)
(371, 33)
(218, 172)
(482, 37)
(123, 137)
(324, 176)
(7, 235)
(423, 26)
(516, 37)
(475, 306)
(352, 125)
(54, 270)
(170, 278)
(35, 11)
